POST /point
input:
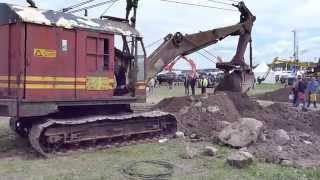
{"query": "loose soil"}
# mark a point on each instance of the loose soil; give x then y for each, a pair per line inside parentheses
(281, 95)
(204, 116)
(207, 116)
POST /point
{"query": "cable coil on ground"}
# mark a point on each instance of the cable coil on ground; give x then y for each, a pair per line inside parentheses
(131, 170)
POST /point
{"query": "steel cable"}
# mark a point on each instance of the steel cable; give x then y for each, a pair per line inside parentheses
(153, 43)
(206, 57)
(132, 171)
(93, 6)
(76, 5)
(220, 2)
(232, 1)
(104, 12)
(200, 5)
(212, 60)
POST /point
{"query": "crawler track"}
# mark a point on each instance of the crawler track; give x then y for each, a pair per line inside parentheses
(60, 136)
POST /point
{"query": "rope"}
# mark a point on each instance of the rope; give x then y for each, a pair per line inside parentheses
(200, 5)
(132, 171)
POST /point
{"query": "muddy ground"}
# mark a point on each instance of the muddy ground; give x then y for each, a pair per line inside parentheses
(207, 116)
(280, 95)
(204, 116)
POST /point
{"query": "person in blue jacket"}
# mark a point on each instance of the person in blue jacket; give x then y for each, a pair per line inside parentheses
(312, 89)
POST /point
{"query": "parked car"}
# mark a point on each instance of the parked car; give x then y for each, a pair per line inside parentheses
(166, 77)
(181, 78)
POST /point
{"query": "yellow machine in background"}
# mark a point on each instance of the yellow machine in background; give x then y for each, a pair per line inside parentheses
(288, 69)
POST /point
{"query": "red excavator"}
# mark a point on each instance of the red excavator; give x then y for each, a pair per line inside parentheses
(65, 85)
(193, 66)
(171, 76)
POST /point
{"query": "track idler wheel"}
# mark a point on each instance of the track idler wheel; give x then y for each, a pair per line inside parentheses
(19, 127)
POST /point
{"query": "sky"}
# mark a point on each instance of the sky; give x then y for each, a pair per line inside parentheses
(272, 32)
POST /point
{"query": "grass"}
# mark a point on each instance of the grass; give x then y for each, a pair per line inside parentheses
(164, 92)
(108, 164)
(19, 161)
(263, 88)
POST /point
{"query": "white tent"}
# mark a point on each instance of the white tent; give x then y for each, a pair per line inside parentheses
(261, 71)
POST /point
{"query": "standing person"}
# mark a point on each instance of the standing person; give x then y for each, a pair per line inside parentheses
(312, 88)
(295, 92)
(193, 82)
(187, 84)
(307, 92)
(301, 88)
(151, 84)
(170, 82)
(204, 84)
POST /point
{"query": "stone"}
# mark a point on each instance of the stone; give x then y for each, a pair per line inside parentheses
(213, 109)
(279, 148)
(307, 142)
(241, 133)
(180, 135)
(287, 163)
(194, 136)
(184, 110)
(163, 140)
(240, 159)
(210, 151)
(263, 137)
(245, 149)
(198, 104)
(189, 152)
(224, 124)
(305, 135)
(265, 103)
(204, 96)
(281, 137)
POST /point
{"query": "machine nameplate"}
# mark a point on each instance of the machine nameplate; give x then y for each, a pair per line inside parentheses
(98, 83)
(45, 53)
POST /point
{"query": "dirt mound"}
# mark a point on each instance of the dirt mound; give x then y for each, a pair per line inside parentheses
(303, 150)
(285, 117)
(207, 116)
(281, 95)
(204, 116)
(243, 103)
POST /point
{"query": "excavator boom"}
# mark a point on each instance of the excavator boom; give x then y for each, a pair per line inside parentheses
(181, 45)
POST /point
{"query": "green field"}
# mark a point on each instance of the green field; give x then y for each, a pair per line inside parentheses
(164, 92)
(263, 88)
(20, 162)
